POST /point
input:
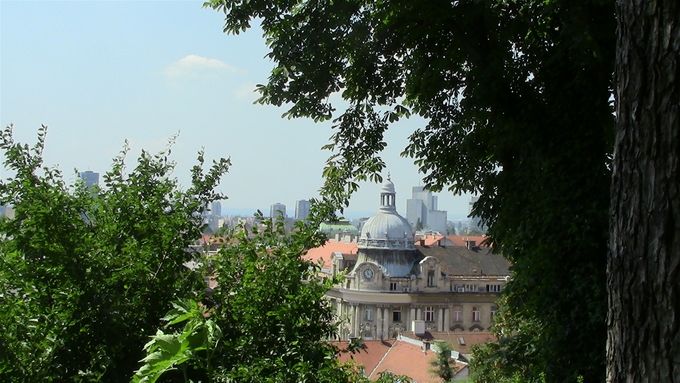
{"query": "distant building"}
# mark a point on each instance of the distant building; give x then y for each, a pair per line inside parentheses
(422, 213)
(277, 209)
(216, 209)
(342, 231)
(302, 209)
(90, 178)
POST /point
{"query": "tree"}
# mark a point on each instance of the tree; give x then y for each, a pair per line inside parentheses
(516, 98)
(441, 365)
(86, 274)
(644, 294)
(265, 320)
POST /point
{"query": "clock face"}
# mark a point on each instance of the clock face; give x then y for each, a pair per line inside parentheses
(368, 274)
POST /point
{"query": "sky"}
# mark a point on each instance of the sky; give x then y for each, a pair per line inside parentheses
(98, 73)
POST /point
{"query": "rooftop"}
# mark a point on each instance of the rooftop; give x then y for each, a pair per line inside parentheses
(396, 356)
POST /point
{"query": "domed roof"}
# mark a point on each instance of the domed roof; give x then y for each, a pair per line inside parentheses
(387, 229)
(388, 187)
(387, 226)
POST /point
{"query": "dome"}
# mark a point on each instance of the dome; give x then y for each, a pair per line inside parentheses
(387, 226)
(388, 187)
(387, 229)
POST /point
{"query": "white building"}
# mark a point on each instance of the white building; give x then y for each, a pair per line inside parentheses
(421, 211)
(393, 286)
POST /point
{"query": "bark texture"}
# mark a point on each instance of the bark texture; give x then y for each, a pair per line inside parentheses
(643, 269)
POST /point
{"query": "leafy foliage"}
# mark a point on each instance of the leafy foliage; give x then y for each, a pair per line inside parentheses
(268, 313)
(195, 342)
(441, 365)
(516, 98)
(86, 273)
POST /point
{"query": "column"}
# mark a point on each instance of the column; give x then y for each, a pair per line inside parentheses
(447, 319)
(411, 317)
(378, 322)
(386, 323)
(419, 313)
(338, 313)
(440, 319)
(355, 325)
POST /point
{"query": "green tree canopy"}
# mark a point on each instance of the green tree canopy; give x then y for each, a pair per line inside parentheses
(87, 274)
(516, 98)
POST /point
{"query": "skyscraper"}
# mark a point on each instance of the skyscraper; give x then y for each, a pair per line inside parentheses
(277, 209)
(302, 209)
(90, 178)
(422, 213)
(216, 209)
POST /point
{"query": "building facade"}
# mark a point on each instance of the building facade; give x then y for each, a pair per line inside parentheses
(277, 209)
(302, 209)
(393, 286)
(90, 178)
(422, 213)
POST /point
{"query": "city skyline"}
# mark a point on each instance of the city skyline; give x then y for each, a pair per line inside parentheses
(124, 71)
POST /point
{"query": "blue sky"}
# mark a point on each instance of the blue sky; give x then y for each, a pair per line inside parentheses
(100, 72)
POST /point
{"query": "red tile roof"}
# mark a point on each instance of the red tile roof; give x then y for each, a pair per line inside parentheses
(469, 338)
(396, 356)
(407, 359)
(459, 240)
(325, 252)
(432, 239)
(368, 357)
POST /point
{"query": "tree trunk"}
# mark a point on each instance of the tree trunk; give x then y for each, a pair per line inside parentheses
(643, 269)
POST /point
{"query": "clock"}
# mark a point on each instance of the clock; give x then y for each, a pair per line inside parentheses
(368, 274)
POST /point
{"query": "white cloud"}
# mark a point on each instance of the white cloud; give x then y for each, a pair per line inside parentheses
(194, 64)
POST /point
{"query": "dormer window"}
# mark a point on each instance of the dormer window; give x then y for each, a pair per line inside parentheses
(430, 279)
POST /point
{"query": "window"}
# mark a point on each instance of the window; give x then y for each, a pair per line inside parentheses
(429, 314)
(471, 288)
(493, 288)
(457, 314)
(393, 286)
(396, 315)
(493, 312)
(475, 314)
(430, 278)
(368, 314)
